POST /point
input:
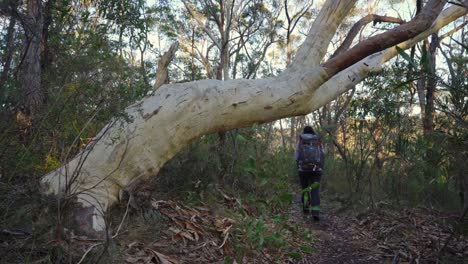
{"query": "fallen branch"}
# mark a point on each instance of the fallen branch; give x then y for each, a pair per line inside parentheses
(14, 232)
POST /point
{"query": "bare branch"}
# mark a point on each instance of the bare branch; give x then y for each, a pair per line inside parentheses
(453, 31)
(201, 24)
(162, 76)
(359, 25)
(299, 15)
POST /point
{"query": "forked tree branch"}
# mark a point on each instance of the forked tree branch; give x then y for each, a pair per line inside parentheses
(359, 25)
(201, 24)
(387, 39)
(349, 77)
(321, 33)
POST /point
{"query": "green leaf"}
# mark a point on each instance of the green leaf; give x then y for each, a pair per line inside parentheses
(406, 56)
(241, 138)
(425, 58)
(295, 255)
(287, 197)
(306, 249)
(227, 260)
(307, 236)
(280, 218)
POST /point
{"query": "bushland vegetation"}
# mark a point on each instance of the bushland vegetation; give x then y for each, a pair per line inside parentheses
(397, 141)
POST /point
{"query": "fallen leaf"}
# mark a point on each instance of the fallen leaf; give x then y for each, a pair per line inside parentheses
(164, 259)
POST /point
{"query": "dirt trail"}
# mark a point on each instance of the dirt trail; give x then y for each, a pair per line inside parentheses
(334, 240)
(383, 236)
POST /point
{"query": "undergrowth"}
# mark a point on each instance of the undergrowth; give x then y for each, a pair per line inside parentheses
(254, 190)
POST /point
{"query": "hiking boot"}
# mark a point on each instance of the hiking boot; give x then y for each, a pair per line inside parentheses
(316, 218)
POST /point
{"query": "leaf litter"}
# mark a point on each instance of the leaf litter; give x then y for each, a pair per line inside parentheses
(196, 234)
(416, 235)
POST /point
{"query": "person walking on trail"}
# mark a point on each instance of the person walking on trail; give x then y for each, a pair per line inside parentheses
(310, 158)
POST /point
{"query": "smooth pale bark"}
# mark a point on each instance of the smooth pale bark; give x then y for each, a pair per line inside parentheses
(124, 153)
(321, 33)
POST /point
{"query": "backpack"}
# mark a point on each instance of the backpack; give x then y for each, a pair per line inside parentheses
(311, 155)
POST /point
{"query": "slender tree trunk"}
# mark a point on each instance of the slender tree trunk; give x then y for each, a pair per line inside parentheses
(9, 50)
(192, 65)
(289, 57)
(292, 132)
(142, 65)
(223, 74)
(46, 53)
(420, 87)
(428, 122)
(30, 69)
(283, 140)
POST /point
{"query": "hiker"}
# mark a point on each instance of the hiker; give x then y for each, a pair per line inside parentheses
(310, 158)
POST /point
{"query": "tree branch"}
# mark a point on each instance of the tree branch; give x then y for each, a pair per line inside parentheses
(201, 24)
(453, 31)
(349, 77)
(320, 34)
(162, 76)
(359, 25)
(387, 39)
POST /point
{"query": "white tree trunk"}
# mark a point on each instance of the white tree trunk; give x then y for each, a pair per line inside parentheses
(162, 124)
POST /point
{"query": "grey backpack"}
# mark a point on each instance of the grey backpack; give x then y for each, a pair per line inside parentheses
(311, 155)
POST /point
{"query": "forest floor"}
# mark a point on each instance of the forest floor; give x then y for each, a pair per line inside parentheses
(416, 235)
(171, 232)
(384, 235)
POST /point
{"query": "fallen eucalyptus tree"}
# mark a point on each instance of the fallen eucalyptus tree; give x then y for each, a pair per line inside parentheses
(125, 153)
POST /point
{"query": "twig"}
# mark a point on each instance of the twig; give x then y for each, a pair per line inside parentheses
(87, 251)
(226, 236)
(123, 219)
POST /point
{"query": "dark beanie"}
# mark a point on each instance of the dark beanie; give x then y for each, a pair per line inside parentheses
(308, 130)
